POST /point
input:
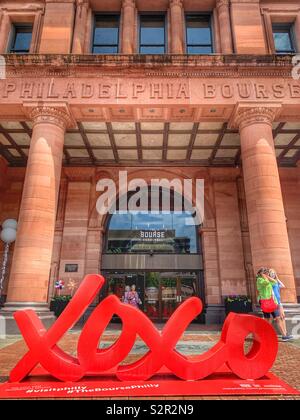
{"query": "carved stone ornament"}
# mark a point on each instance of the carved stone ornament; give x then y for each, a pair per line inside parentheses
(50, 115)
(174, 3)
(128, 3)
(249, 116)
(221, 3)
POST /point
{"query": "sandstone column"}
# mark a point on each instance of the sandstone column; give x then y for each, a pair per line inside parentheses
(176, 27)
(267, 221)
(29, 277)
(80, 26)
(225, 26)
(5, 25)
(128, 28)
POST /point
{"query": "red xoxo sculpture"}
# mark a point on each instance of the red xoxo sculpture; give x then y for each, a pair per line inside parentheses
(92, 361)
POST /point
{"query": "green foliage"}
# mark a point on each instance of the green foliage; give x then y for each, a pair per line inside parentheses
(62, 298)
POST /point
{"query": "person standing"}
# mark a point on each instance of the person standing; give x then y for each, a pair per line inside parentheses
(265, 292)
(126, 295)
(133, 297)
(277, 292)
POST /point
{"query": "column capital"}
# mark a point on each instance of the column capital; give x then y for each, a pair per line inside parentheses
(174, 3)
(221, 3)
(255, 115)
(129, 3)
(50, 114)
(248, 114)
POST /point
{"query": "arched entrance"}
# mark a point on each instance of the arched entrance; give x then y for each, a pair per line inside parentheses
(157, 252)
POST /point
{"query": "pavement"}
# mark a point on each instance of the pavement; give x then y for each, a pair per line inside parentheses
(195, 341)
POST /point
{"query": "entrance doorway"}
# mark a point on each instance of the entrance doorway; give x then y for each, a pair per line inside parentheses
(160, 293)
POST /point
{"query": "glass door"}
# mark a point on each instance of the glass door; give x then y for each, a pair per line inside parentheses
(187, 286)
(152, 296)
(168, 295)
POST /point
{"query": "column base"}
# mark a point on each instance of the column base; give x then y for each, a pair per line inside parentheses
(8, 325)
(214, 314)
(292, 317)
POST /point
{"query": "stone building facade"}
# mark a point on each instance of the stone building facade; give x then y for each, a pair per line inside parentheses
(188, 89)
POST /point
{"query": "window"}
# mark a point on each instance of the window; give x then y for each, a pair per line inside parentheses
(283, 35)
(199, 34)
(106, 34)
(152, 34)
(21, 39)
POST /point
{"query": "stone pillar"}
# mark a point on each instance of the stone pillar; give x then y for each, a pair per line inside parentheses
(82, 11)
(225, 26)
(128, 27)
(267, 222)
(176, 27)
(5, 26)
(3, 171)
(29, 276)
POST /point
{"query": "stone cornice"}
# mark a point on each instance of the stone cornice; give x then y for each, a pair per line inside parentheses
(50, 115)
(163, 66)
(254, 115)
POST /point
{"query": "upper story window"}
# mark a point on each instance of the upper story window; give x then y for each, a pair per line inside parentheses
(106, 34)
(199, 34)
(284, 38)
(152, 34)
(21, 39)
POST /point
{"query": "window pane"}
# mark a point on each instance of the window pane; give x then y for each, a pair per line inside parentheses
(152, 30)
(199, 50)
(198, 30)
(152, 50)
(283, 41)
(106, 34)
(158, 233)
(22, 40)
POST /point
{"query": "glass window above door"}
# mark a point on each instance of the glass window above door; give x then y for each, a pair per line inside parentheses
(152, 34)
(106, 34)
(199, 34)
(151, 233)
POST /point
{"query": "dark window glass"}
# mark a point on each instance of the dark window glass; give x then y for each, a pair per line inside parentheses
(22, 35)
(283, 38)
(106, 34)
(199, 34)
(152, 34)
(156, 233)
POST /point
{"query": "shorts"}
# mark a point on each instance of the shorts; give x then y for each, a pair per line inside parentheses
(275, 314)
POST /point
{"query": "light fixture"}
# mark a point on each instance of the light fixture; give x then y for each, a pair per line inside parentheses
(8, 236)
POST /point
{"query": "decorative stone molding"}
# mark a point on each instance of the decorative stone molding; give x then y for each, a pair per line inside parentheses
(174, 3)
(222, 3)
(255, 115)
(128, 3)
(50, 115)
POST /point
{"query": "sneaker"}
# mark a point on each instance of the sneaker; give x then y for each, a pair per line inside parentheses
(287, 338)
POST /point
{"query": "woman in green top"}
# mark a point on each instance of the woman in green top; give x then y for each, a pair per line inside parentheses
(265, 291)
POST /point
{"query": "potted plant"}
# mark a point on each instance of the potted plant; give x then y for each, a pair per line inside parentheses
(238, 304)
(59, 303)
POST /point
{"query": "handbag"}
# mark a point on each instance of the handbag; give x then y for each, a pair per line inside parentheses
(268, 305)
